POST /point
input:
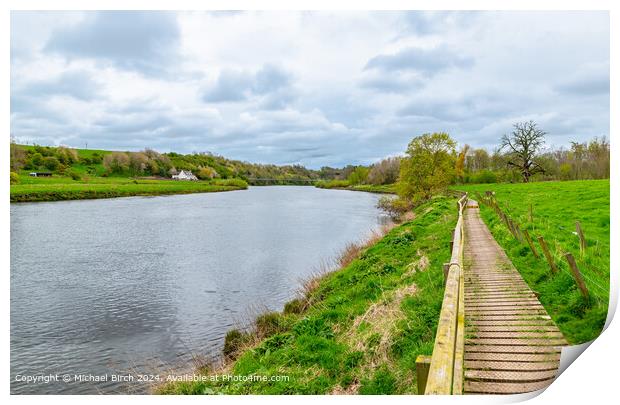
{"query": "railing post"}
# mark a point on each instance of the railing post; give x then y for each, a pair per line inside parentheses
(422, 365)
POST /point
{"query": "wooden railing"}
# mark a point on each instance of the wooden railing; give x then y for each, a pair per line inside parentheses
(445, 372)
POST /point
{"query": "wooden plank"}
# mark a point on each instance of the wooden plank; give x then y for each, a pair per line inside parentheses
(507, 309)
(516, 341)
(475, 387)
(522, 357)
(502, 303)
(517, 334)
(491, 296)
(497, 284)
(509, 322)
(510, 375)
(505, 298)
(511, 365)
(507, 317)
(511, 328)
(510, 349)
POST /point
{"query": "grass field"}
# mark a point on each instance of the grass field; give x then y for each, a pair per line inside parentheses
(556, 206)
(356, 330)
(55, 188)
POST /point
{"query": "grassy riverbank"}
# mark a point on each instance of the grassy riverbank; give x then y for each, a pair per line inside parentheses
(355, 330)
(32, 189)
(556, 206)
(370, 188)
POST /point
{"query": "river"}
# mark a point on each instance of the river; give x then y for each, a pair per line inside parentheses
(139, 285)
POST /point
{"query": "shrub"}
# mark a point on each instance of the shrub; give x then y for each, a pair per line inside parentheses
(270, 323)
(116, 162)
(358, 175)
(233, 342)
(96, 158)
(394, 207)
(230, 182)
(18, 157)
(485, 176)
(36, 160)
(14, 178)
(333, 184)
(206, 173)
(74, 175)
(66, 156)
(295, 306)
(51, 163)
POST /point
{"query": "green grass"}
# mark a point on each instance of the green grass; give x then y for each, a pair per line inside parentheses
(55, 188)
(370, 188)
(363, 326)
(556, 208)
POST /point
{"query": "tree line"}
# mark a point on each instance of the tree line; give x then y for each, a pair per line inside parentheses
(432, 162)
(148, 162)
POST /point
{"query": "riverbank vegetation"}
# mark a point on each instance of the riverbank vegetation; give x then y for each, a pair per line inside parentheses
(32, 189)
(355, 330)
(551, 210)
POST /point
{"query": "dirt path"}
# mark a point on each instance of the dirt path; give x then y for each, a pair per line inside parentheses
(512, 345)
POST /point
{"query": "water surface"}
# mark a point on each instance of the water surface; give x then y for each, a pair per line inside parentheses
(137, 285)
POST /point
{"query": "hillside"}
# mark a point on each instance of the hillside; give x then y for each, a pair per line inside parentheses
(103, 163)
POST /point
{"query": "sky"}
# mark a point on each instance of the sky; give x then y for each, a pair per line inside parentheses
(311, 88)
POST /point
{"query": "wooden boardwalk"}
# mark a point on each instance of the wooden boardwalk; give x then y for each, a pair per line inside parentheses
(511, 344)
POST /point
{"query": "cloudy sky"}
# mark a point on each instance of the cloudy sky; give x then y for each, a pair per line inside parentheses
(316, 88)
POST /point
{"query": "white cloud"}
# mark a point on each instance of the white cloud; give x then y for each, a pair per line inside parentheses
(317, 88)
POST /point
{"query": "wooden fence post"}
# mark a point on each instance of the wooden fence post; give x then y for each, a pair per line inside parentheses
(577, 274)
(531, 214)
(529, 242)
(548, 256)
(518, 232)
(513, 229)
(582, 239)
(422, 365)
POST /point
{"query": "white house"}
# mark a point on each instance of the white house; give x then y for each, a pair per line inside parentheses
(184, 175)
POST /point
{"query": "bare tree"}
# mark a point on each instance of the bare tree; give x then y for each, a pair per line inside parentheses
(523, 146)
